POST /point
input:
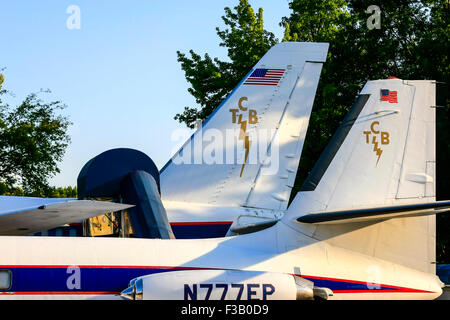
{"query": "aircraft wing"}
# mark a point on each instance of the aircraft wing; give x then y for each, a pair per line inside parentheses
(376, 213)
(23, 215)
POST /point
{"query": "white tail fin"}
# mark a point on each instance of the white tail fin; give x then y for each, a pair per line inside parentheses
(383, 154)
(247, 152)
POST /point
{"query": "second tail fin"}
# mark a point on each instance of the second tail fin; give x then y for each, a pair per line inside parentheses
(379, 163)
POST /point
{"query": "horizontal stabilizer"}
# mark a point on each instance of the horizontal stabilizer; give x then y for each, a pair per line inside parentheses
(22, 216)
(378, 213)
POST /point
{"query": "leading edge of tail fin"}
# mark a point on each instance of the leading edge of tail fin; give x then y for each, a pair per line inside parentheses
(382, 158)
(247, 152)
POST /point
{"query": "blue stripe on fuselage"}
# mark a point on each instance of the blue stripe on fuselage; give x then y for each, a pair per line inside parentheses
(92, 279)
(181, 231)
(114, 279)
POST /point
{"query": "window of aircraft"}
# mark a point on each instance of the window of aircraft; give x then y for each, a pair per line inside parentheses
(5, 279)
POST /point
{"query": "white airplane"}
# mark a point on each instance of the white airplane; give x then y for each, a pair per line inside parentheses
(362, 227)
(231, 193)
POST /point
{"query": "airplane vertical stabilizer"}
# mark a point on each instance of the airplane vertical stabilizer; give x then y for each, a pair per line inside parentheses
(382, 155)
(247, 152)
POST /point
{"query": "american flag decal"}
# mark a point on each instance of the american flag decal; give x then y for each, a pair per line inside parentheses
(266, 77)
(387, 95)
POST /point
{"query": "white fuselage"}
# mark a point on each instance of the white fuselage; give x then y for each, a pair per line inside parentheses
(90, 268)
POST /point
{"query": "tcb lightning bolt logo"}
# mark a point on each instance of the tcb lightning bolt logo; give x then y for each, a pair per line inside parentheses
(379, 138)
(243, 135)
(376, 149)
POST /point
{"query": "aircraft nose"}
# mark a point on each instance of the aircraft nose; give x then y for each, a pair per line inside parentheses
(128, 293)
(135, 291)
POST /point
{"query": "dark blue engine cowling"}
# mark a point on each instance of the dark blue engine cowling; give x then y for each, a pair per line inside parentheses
(133, 177)
(101, 176)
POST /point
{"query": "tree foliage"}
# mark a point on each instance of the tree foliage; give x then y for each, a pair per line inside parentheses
(211, 80)
(46, 192)
(315, 21)
(33, 139)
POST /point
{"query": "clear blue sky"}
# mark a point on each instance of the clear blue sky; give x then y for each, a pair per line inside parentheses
(118, 74)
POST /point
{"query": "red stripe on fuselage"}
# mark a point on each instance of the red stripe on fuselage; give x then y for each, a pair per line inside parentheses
(394, 288)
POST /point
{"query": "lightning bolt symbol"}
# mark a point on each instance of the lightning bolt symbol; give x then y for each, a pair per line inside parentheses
(377, 150)
(243, 135)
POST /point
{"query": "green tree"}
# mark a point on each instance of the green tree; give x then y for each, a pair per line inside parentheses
(212, 80)
(10, 191)
(46, 192)
(2, 79)
(315, 21)
(33, 138)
